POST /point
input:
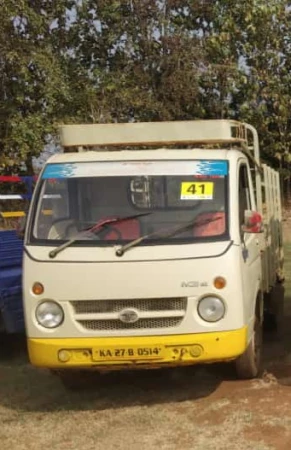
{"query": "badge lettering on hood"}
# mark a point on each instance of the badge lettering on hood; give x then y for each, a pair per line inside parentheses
(194, 284)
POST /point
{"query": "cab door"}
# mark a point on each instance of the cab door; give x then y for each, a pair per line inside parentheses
(249, 243)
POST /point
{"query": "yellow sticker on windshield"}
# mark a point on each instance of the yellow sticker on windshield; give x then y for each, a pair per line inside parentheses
(197, 190)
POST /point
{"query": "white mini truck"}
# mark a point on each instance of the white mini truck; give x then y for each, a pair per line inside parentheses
(152, 245)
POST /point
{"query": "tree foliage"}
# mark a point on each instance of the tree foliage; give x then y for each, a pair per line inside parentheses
(119, 60)
(33, 79)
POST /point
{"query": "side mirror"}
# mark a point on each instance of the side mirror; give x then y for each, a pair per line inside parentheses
(253, 222)
(20, 228)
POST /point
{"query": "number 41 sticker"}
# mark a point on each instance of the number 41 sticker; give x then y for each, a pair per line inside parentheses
(197, 190)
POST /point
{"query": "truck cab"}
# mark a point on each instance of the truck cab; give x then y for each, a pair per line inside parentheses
(138, 258)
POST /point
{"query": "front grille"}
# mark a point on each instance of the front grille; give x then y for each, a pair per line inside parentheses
(107, 325)
(147, 304)
(156, 312)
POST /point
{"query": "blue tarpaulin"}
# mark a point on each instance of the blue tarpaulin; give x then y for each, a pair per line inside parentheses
(11, 248)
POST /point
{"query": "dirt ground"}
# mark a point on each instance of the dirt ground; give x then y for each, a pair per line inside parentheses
(196, 408)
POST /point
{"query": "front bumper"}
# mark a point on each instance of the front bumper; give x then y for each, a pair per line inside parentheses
(115, 353)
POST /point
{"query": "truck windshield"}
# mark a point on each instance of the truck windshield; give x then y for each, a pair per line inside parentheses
(158, 195)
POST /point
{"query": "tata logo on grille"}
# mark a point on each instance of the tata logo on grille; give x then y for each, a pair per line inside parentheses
(128, 315)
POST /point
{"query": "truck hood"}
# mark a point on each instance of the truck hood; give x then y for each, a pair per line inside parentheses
(92, 254)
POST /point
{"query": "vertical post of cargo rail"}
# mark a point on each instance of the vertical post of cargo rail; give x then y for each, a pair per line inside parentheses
(280, 274)
(260, 183)
(270, 250)
(258, 173)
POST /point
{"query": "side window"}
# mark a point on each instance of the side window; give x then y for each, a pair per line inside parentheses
(243, 192)
(53, 207)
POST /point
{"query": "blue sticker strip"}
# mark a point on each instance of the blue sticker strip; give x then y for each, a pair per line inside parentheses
(132, 168)
(217, 168)
(66, 170)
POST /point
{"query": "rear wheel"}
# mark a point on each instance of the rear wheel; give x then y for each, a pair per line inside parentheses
(248, 365)
(274, 309)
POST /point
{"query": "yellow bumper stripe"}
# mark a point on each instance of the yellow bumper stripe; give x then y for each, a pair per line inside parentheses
(174, 350)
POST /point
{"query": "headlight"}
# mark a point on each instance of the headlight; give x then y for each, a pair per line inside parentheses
(49, 314)
(211, 309)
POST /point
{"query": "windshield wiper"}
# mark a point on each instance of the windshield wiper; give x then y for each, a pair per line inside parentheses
(96, 229)
(165, 233)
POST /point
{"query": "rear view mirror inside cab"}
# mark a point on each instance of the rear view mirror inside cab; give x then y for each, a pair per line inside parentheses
(140, 192)
(253, 222)
(149, 192)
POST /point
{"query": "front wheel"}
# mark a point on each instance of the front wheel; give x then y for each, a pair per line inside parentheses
(248, 365)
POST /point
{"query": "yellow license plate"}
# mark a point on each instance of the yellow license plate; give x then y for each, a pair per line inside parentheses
(197, 190)
(127, 353)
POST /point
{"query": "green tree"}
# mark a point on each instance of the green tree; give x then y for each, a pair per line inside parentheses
(34, 85)
(142, 65)
(120, 60)
(255, 36)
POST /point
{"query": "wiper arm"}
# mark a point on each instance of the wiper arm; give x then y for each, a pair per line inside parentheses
(53, 253)
(103, 223)
(96, 229)
(165, 232)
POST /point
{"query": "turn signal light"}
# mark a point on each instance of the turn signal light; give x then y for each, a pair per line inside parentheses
(37, 288)
(219, 282)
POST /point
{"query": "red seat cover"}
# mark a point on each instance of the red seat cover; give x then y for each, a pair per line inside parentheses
(128, 229)
(209, 224)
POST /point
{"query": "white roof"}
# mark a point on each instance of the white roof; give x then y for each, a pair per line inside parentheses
(140, 155)
(153, 133)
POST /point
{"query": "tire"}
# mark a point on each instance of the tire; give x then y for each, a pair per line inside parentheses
(274, 310)
(248, 365)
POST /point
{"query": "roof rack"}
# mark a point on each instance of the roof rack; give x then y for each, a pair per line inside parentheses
(199, 132)
(154, 133)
